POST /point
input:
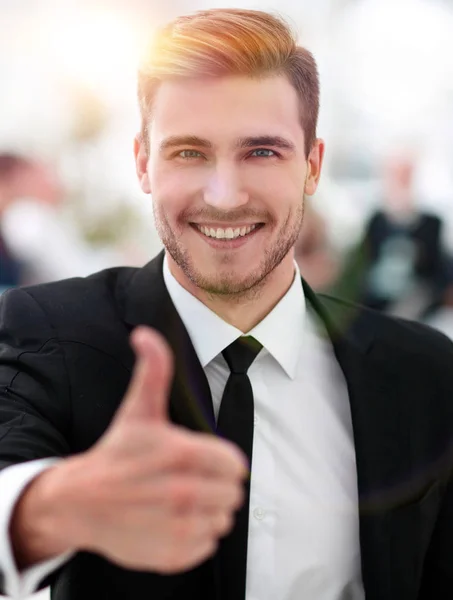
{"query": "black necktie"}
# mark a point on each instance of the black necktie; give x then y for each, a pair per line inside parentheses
(235, 422)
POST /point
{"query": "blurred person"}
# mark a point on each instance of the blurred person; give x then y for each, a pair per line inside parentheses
(207, 426)
(44, 245)
(12, 169)
(404, 268)
(313, 252)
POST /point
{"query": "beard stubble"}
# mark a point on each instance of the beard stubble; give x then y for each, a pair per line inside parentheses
(227, 284)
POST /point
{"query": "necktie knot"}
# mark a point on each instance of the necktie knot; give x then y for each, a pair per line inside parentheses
(240, 354)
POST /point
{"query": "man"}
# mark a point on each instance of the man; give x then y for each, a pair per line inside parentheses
(114, 485)
(405, 269)
(17, 176)
(34, 234)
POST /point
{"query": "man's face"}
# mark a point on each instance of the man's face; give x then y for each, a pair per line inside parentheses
(228, 173)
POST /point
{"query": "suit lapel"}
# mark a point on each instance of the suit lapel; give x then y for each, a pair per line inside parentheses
(148, 303)
(378, 436)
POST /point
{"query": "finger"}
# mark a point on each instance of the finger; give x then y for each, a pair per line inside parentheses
(189, 556)
(192, 530)
(187, 493)
(203, 551)
(205, 454)
(147, 396)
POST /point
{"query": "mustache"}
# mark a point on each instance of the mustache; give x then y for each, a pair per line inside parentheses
(223, 216)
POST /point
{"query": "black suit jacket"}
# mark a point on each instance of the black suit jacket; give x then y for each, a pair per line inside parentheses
(65, 363)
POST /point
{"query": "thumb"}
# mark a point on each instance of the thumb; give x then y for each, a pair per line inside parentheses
(147, 396)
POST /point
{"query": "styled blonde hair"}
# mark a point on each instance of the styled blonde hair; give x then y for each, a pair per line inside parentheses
(223, 42)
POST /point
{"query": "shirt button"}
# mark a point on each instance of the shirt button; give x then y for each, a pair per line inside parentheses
(256, 419)
(259, 513)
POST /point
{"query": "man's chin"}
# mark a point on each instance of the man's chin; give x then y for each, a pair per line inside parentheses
(226, 284)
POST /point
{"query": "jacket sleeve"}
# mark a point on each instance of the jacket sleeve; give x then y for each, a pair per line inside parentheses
(35, 410)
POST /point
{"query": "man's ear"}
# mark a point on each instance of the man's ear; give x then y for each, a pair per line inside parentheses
(315, 159)
(141, 163)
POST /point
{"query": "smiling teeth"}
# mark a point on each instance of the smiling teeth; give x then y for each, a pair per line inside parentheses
(226, 234)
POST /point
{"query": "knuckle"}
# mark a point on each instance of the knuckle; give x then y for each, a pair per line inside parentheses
(182, 495)
(190, 455)
(184, 454)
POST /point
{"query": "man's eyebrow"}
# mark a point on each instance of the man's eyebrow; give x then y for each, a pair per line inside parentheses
(175, 141)
(266, 140)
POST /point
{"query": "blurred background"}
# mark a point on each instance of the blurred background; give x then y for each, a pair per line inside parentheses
(379, 230)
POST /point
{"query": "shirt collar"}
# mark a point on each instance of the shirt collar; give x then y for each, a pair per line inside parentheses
(280, 332)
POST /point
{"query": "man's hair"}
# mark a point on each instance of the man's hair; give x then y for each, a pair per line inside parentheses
(230, 42)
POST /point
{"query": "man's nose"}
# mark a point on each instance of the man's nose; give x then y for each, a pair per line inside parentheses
(223, 190)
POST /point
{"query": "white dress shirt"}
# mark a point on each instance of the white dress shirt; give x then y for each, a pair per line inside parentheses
(304, 525)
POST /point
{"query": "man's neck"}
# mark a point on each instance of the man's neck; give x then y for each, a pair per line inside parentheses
(246, 310)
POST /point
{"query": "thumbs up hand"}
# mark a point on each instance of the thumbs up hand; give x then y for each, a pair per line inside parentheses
(151, 495)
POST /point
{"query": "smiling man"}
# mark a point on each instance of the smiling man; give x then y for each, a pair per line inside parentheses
(207, 427)
(228, 192)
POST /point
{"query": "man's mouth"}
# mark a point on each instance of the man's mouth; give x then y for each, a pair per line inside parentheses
(226, 233)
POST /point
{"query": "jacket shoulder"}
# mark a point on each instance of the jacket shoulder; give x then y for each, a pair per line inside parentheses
(394, 335)
(70, 306)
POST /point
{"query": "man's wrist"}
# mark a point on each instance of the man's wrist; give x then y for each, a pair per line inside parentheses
(41, 525)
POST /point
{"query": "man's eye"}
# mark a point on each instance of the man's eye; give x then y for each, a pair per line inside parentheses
(263, 153)
(189, 154)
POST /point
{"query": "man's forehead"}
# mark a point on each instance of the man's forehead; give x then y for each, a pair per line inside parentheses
(224, 110)
(235, 97)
